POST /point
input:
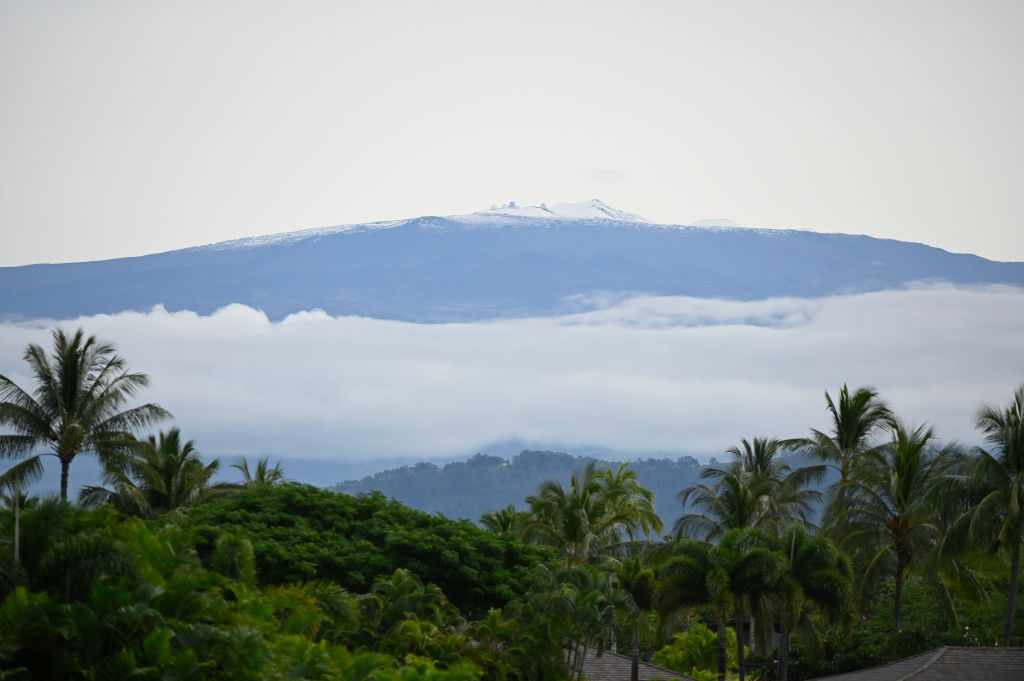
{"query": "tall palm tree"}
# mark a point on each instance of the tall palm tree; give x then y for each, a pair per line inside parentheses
(855, 419)
(729, 504)
(160, 474)
(17, 499)
(638, 581)
(952, 567)
(817, 576)
(756, 490)
(599, 512)
(781, 493)
(997, 478)
(77, 406)
(631, 504)
(888, 509)
(729, 576)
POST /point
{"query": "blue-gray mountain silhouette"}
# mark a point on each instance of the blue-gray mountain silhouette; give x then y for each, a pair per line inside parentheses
(464, 268)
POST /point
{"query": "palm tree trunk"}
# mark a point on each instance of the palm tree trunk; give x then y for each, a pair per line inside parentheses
(65, 464)
(752, 639)
(634, 673)
(723, 655)
(897, 597)
(784, 654)
(17, 525)
(741, 637)
(1011, 603)
(575, 664)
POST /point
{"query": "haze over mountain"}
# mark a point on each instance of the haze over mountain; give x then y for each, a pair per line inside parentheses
(509, 261)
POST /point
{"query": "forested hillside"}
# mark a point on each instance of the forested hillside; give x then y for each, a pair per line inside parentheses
(468, 489)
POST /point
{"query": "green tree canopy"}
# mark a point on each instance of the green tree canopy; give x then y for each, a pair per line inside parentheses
(302, 533)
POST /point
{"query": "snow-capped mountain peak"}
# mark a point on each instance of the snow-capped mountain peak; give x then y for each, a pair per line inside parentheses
(530, 261)
(583, 210)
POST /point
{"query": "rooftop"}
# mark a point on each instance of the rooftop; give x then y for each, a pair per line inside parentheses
(611, 666)
(947, 664)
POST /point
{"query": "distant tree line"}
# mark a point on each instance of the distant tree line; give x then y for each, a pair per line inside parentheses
(468, 489)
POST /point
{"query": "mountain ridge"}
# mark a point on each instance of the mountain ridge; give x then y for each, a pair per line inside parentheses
(466, 268)
(468, 488)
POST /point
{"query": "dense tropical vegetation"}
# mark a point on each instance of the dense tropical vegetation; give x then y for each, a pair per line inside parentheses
(164, 573)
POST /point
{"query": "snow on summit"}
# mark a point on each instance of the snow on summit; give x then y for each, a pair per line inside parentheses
(594, 209)
(584, 210)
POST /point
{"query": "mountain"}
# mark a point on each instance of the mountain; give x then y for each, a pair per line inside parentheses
(509, 261)
(470, 488)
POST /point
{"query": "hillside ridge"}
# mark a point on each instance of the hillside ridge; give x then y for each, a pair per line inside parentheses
(437, 269)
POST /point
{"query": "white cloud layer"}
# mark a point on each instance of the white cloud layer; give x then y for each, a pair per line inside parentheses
(645, 374)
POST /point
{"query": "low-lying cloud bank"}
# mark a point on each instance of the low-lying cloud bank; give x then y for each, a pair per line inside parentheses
(671, 374)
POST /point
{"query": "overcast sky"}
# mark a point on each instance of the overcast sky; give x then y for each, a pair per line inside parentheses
(133, 127)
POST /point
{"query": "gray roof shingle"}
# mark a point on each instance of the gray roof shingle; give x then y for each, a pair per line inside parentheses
(946, 664)
(611, 666)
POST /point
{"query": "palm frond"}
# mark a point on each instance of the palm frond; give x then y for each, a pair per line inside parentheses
(22, 474)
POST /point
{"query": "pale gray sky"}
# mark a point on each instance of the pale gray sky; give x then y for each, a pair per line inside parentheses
(133, 127)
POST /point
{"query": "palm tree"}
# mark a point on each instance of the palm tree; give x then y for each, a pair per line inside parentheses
(997, 479)
(263, 475)
(730, 576)
(503, 520)
(953, 565)
(817, 576)
(856, 418)
(756, 490)
(160, 474)
(780, 492)
(888, 508)
(402, 596)
(599, 512)
(727, 505)
(571, 609)
(16, 498)
(77, 405)
(638, 581)
(631, 504)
